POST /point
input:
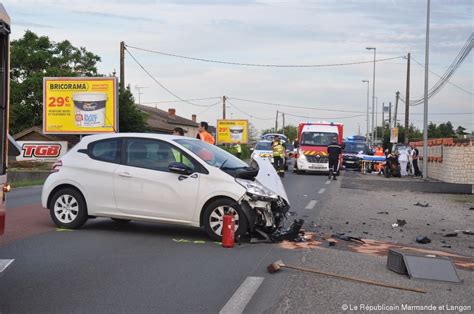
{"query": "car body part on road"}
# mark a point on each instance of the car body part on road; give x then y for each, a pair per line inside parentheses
(313, 141)
(422, 266)
(163, 178)
(272, 268)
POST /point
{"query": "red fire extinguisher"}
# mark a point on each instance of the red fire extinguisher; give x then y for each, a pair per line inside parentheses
(228, 226)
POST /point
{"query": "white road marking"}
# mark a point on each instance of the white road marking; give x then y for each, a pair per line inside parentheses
(311, 204)
(242, 296)
(4, 263)
(321, 190)
(328, 182)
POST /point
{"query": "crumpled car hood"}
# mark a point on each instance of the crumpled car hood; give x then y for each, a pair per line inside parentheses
(268, 177)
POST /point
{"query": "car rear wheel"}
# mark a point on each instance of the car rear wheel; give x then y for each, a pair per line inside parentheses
(214, 218)
(68, 209)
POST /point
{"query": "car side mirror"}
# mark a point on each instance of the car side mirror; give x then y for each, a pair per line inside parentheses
(180, 168)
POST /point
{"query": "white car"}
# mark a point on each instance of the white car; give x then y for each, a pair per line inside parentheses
(263, 149)
(163, 178)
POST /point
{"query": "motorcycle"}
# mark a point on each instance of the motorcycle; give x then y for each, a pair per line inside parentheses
(392, 166)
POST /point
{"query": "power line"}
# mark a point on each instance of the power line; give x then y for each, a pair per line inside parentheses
(175, 101)
(320, 118)
(422, 65)
(262, 65)
(292, 106)
(160, 84)
(245, 113)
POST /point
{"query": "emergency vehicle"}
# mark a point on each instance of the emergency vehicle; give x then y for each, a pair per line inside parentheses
(313, 140)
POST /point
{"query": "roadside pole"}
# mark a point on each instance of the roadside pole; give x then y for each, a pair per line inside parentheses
(407, 102)
(425, 107)
(223, 107)
(276, 122)
(122, 65)
(396, 109)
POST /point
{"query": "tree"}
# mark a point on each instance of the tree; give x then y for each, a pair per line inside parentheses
(131, 119)
(460, 131)
(34, 57)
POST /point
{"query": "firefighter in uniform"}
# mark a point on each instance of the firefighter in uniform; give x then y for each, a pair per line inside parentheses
(278, 155)
(334, 150)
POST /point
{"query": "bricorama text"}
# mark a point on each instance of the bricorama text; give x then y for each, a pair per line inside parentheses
(405, 307)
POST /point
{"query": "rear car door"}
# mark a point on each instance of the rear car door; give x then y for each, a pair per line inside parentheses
(145, 187)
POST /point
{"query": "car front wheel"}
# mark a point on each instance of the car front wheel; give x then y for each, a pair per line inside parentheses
(68, 209)
(214, 218)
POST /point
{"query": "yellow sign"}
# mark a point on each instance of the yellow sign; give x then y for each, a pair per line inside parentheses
(232, 131)
(80, 105)
(394, 135)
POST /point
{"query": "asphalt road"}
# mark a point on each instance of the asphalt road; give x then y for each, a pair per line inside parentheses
(107, 267)
(139, 267)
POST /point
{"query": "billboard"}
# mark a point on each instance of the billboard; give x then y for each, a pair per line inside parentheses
(232, 131)
(41, 150)
(394, 135)
(80, 105)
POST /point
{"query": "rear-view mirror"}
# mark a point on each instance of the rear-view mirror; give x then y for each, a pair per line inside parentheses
(180, 168)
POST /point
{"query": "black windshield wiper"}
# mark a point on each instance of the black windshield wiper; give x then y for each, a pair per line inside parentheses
(222, 166)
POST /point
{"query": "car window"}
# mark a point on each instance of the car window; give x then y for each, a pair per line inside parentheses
(153, 154)
(182, 158)
(263, 146)
(106, 150)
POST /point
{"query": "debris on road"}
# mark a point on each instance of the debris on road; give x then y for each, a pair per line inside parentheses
(382, 213)
(468, 232)
(331, 242)
(446, 246)
(401, 222)
(451, 235)
(422, 205)
(292, 233)
(426, 266)
(273, 268)
(471, 208)
(423, 239)
(341, 236)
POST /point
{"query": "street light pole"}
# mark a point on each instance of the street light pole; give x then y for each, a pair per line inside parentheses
(367, 132)
(376, 119)
(373, 91)
(425, 107)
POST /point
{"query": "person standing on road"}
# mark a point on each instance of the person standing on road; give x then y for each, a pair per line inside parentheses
(238, 149)
(414, 157)
(334, 151)
(203, 134)
(278, 155)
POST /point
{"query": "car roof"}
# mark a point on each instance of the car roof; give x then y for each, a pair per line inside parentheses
(168, 137)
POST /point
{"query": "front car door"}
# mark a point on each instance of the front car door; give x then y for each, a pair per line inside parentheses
(144, 186)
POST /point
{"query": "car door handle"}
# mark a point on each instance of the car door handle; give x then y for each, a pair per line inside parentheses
(181, 177)
(125, 174)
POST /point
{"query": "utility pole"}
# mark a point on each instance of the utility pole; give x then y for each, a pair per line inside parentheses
(376, 118)
(389, 115)
(283, 116)
(425, 106)
(276, 123)
(407, 102)
(368, 127)
(122, 66)
(396, 109)
(223, 107)
(383, 122)
(373, 93)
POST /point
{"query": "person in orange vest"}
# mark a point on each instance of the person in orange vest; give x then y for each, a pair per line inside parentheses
(379, 152)
(203, 134)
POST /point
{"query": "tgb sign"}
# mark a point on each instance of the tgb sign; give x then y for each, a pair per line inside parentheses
(41, 150)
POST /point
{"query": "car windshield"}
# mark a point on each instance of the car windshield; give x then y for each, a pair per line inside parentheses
(355, 147)
(212, 155)
(317, 138)
(263, 146)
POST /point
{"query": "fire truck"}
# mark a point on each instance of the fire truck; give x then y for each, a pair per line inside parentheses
(313, 140)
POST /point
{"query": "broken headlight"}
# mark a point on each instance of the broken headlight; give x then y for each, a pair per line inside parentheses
(256, 190)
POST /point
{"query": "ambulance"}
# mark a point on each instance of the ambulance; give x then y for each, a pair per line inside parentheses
(313, 140)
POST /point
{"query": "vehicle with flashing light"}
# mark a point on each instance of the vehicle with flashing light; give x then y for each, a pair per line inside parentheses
(313, 140)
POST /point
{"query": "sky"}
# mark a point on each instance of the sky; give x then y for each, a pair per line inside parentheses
(271, 32)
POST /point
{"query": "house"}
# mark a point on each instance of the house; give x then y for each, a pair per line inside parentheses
(160, 121)
(36, 134)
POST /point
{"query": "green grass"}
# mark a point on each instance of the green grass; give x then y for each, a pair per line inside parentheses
(21, 184)
(463, 198)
